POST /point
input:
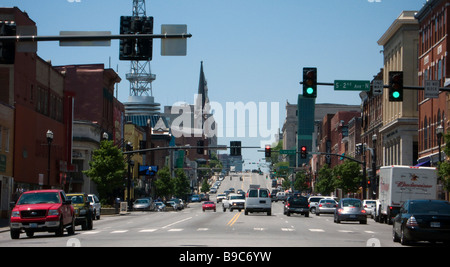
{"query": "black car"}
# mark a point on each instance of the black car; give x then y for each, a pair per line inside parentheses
(422, 220)
(296, 204)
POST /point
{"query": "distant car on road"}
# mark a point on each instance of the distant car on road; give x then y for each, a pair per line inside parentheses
(143, 204)
(96, 206)
(422, 220)
(209, 205)
(296, 204)
(326, 205)
(195, 198)
(350, 209)
(258, 200)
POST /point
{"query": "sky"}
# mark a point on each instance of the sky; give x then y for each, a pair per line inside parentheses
(253, 51)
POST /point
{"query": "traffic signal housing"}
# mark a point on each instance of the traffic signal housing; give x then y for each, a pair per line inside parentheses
(235, 148)
(303, 152)
(268, 151)
(7, 49)
(310, 82)
(136, 49)
(395, 86)
(201, 147)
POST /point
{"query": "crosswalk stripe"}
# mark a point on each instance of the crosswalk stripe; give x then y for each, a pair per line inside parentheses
(316, 230)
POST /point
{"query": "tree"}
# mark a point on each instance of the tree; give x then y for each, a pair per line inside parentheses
(325, 181)
(164, 184)
(444, 166)
(107, 170)
(348, 176)
(181, 183)
(300, 181)
(205, 186)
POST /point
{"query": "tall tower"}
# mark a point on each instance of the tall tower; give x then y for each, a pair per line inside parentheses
(141, 100)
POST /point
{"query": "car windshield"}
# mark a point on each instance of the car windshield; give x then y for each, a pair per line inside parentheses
(39, 198)
(76, 199)
(431, 207)
(354, 203)
(327, 201)
(237, 197)
(208, 203)
(298, 200)
(141, 201)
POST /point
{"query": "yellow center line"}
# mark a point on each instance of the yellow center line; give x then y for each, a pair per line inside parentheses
(234, 219)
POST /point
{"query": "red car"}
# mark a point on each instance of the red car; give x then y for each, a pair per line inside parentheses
(42, 211)
(209, 205)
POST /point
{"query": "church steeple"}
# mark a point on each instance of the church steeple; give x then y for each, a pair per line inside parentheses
(202, 87)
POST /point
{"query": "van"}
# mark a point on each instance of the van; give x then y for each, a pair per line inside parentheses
(258, 200)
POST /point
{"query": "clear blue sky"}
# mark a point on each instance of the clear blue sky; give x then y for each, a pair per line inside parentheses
(253, 50)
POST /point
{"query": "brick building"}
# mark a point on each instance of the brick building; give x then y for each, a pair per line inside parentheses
(433, 21)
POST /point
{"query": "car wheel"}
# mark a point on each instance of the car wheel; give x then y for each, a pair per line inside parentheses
(71, 229)
(29, 233)
(60, 230)
(269, 213)
(15, 234)
(246, 212)
(307, 214)
(403, 239)
(395, 237)
(313, 210)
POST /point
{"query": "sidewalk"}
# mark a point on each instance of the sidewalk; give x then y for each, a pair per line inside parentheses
(4, 225)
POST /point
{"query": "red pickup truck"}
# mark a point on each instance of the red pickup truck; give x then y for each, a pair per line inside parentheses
(42, 211)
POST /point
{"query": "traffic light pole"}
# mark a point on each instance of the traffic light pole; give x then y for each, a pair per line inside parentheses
(106, 37)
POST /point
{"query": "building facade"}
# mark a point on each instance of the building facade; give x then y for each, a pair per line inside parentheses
(400, 119)
(433, 21)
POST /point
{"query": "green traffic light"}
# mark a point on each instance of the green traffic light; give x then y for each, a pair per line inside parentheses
(309, 91)
(396, 94)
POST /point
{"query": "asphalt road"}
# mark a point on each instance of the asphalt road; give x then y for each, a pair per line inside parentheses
(194, 228)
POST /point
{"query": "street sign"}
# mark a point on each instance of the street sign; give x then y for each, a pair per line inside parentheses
(431, 89)
(287, 152)
(349, 85)
(377, 87)
(173, 47)
(85, 42)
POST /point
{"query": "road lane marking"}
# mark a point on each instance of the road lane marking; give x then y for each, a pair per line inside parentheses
(287, 229)
(203, 229)
(119, 231)
(316, 230)
(147, 230)
(234, 219)
(175, 230)
(177, 222)
(90, 233)
(345, 231)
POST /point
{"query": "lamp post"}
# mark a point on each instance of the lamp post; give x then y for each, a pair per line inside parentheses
(49, 136)
(439, 134)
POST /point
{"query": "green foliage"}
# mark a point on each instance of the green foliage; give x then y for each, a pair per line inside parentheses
(181, 183)
(107, 170)
(205, 186)
(300, 181)
(325, 182)
(444, 166)
(347, 176)
(164, 185)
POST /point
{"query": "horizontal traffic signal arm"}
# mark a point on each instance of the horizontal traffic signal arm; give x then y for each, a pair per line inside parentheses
(443, 89)
(91, 37)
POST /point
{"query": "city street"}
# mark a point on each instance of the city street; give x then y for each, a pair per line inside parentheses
(193, 228)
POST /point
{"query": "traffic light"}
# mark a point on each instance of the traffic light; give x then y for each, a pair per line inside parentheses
(395, 86)
(303, 152)
(7, 49)
(200, 147)
(268, 151)
(310, 82)
(136, 49)
(235, 148)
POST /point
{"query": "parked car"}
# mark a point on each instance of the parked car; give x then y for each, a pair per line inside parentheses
(42, 211)
(171, 205)
(143, 204)
(350, 209)
(258, 200)
(422, 220)
(326, 206)
(195, 198)
(369, 205)
(83, 210)
(296, 204)
(220, 197)
(209, 205)
(96, 206)
(160, 206)
(314, 203)
(180, 204)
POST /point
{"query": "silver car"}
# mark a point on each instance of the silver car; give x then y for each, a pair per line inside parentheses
(96, 206)
(326, 206)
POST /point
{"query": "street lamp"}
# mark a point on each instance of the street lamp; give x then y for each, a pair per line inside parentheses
(49, 136)
(439, 134)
